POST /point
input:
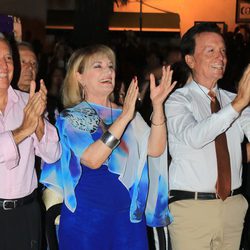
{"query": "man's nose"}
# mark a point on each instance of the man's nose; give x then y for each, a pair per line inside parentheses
(3, 64)
(29, 65)
(221, 55)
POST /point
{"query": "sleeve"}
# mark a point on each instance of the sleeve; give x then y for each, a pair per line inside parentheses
(157, 212)
(9, 156)
(196, 134)
(48, 148)
(63, 175)
(151, 183)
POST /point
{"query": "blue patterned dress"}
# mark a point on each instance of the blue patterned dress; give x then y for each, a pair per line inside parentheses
(107, 208)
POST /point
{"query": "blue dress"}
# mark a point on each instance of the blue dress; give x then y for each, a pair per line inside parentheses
(107, 208)
(101, 219)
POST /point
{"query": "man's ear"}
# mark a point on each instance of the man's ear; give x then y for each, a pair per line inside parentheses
(189, 59)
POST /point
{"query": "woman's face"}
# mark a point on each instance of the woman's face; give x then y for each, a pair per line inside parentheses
(98, 77)
(6, 65)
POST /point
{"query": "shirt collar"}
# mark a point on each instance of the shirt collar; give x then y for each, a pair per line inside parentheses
(200, 87)
(12, 96)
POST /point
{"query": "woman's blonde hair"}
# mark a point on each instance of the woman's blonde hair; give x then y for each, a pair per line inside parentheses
(72, 91)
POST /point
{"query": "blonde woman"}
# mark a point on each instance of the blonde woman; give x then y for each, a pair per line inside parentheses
(103, 174)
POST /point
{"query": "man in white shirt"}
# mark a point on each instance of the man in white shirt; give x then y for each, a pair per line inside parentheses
(204, 219)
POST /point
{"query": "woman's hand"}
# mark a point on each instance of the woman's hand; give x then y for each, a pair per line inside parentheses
(130, 100)
(158, 135)
(158, 94)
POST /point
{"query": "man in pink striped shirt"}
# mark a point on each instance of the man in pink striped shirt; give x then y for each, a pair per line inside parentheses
(23, 134)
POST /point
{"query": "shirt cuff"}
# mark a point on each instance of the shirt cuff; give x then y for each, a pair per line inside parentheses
(228, 114)
(231, 112)
(50, 133)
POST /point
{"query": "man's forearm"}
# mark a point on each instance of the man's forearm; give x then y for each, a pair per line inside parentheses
(40, 129)
(20, 134)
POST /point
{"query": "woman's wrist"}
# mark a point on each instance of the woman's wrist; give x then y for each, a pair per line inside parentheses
(157, 117)
(125, 117)
(158, 110)
(159, 123)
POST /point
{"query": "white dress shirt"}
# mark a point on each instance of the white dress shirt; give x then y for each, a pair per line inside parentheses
(192, 130)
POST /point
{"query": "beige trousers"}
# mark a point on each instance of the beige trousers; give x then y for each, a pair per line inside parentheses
(207, 224)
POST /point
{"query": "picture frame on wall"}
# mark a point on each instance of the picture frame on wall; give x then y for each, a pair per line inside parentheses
(242, 11)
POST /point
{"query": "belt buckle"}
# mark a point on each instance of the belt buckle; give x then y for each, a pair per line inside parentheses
(7, 202)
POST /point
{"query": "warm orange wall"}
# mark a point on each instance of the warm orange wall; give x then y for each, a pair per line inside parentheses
(190, 10)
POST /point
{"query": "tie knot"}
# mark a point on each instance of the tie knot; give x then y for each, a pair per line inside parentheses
(212, 94)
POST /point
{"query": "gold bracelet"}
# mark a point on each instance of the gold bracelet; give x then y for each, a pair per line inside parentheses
(159, 123)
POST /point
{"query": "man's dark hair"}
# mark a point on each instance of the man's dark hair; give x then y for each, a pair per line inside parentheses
(188, 39)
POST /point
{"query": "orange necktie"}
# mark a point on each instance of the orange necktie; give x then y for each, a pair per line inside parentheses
(223, 184)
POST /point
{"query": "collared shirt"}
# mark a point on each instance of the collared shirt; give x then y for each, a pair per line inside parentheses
(192, 130)
(17, 173)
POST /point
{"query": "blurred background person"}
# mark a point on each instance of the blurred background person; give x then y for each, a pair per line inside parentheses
(54, 83)
(29, 66)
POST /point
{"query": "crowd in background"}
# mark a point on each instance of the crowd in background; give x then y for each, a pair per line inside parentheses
(136, 57)
(140, 57)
